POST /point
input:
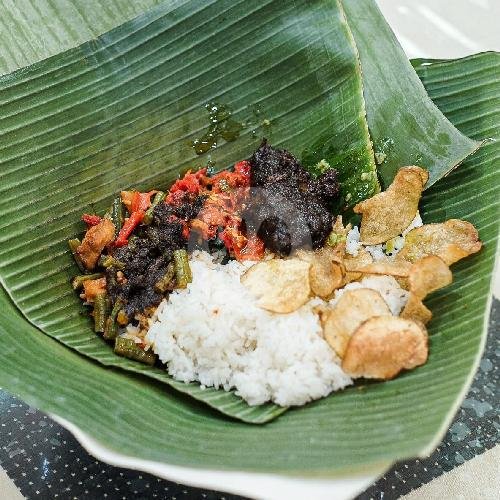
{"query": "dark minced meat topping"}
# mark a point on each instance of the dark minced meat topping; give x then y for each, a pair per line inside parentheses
(292, 210)
(146, 257)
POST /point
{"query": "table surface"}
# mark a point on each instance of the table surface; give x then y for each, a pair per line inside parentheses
(45, 461)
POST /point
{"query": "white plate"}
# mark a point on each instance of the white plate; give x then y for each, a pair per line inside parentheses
(265, 486)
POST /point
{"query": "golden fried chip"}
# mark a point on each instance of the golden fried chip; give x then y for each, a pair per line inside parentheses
(383, 346)
(280, 286)
(451, 241)
(353, 308)
(387, 214)
(352, 262)
(399, 269)
(428, 274)
(415, 310)
(326, 273)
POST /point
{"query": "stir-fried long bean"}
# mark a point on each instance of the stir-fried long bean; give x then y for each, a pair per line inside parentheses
(148, 216)
(73, 245)
(77, 281)
(111, 327)
(117, 214)
(109, 261)
(183, 274)
(129, 349)
(100, 307)
(164, 283)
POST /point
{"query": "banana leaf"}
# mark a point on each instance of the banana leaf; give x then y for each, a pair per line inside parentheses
(124, 109)
(356, 430)
(419, 133)
(36, 29)
(84, 151)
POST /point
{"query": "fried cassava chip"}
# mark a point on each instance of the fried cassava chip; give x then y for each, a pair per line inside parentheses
(353, 262)
(280, 286)
(326, 273)
(451, 241)
(399, 269)
(426, 275)
(416, 310)
(353, 308)
(387, 214)
(383, 346)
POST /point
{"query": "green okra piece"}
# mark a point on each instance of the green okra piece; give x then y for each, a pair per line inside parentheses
(183, 274)
(129, 349)
(73, 245)
(100, 311)
(117, 214)
(77, 281)
(148, 216)
(111, 327)
(163, 284)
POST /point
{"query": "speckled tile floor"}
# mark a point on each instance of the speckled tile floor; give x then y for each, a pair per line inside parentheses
(45, 461)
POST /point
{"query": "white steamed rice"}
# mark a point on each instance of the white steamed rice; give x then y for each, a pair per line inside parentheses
(214, 333)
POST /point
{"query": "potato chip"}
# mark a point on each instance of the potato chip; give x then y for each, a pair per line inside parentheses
(399, 269)
(427, 275)
(383, 346)
(280, 286)
(451, 241)
(326, 273)
(387, 214)
(415, 310)
(353, 308)
(352, 262)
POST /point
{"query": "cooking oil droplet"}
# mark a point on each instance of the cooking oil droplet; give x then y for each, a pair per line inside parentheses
(221, 125)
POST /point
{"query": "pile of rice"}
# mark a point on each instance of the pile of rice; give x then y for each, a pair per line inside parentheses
(213, 332)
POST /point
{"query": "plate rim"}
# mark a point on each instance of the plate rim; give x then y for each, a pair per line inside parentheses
(250, 484)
